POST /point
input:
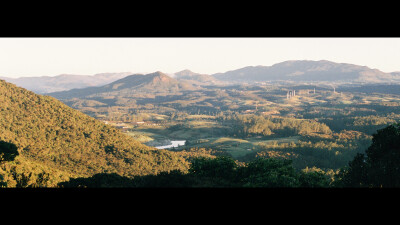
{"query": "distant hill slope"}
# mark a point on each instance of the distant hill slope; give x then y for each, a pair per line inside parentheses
(195, 78)
(51, 136)
(47, 84)
(396, 75)
(154, 82)
(369, 89)
(306, 70)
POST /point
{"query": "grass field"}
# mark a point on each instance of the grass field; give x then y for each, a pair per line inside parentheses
(143, 137)
(238, 147)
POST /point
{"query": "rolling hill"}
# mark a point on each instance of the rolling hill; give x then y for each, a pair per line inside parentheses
(307, 70)
(149, 83)
(54, 142)
(195, 78)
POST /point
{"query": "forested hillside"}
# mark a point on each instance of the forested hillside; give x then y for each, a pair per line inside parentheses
(53, 142)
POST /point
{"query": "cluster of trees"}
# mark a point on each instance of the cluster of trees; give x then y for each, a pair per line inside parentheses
(216, 172)
(16, 171)
(247, 125)
(373, 120)
(325, 154)
(303, 157)
(365, 124)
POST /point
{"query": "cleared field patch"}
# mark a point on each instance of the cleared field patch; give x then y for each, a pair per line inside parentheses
(143, 137)
(234, 146)
(294, 139)
(202, 124)
(228, 139)
(201, 117)
(346, 102)
(238, 147)
(189, 133)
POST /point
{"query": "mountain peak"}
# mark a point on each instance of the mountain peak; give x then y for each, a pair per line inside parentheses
(160, 77)
(157, 73)
(185, 71)
(304, 62)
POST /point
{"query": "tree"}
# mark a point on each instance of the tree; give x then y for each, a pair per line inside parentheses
(313, 178)
(101, 180)
(171, 179)
(269, 172)
(8, 151)
(2, 184)
(355, 175)
(221, 167)
(380, 166)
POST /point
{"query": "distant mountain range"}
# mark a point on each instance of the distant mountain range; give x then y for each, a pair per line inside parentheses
(307, 70)
(293, 70)
(46, 84)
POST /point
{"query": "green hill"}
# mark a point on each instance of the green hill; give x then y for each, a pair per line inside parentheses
(55, 142)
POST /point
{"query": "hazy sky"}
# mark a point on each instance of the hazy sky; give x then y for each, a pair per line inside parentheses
(87, 56)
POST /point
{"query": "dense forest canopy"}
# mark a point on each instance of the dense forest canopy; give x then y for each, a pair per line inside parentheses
(55, 140)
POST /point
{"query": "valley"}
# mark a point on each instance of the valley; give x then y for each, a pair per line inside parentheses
(322, 125)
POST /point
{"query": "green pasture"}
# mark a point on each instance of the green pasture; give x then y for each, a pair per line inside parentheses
(238, 147)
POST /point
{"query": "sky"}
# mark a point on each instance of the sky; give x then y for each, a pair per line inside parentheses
(27, 57)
